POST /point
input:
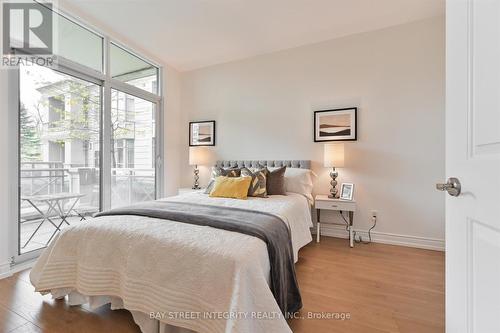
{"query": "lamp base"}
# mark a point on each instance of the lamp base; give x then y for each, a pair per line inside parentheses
(196, 185)
(333, 190)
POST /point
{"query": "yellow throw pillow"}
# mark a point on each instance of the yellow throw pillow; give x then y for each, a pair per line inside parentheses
(231, 187)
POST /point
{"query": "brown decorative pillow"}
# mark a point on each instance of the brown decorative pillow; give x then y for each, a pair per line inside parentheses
(258, 184)
(275, 182)
(217, 171)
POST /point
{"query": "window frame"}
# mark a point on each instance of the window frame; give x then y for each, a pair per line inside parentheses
(107, 84)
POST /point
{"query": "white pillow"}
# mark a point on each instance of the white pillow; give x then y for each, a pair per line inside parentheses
(299, 181)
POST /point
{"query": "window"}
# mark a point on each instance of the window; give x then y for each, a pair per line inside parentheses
(56, 152)
(124, 153)
(54, 147)
(97, 155)
(74, 42)
(129, 109)
(133, 174)
(78, 44)
(154, 86)
(71, 143)
(56, 109)
(153, 152)
(128, 68)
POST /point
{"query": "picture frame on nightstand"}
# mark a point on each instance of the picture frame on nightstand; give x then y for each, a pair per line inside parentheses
(347, 191)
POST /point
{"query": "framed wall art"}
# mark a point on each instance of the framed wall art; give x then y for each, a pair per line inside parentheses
(336, 125)
(202, 133)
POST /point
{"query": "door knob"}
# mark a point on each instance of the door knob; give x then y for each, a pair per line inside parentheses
(452, 186)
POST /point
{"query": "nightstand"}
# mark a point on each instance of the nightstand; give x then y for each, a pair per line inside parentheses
(184, 190)
(323, 202)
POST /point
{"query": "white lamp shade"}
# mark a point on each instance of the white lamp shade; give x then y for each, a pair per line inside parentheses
(199, 156)
(334, 155)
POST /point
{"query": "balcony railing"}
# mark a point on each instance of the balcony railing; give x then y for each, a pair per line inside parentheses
(132, 185)
(51, 178)
(128, 185)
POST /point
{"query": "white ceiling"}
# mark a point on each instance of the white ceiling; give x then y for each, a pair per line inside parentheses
(190, 34)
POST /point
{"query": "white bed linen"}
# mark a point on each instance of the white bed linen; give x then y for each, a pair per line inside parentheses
(149, 265)
(292, 209)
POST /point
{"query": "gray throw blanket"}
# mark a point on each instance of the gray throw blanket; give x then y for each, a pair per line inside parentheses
(268, 227)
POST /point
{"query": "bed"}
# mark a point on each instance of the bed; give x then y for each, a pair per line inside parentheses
(174, 276)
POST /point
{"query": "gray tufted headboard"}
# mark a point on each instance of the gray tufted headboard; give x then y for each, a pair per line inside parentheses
(302, 164)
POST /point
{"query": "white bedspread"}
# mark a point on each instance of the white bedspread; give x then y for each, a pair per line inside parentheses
(178, 271)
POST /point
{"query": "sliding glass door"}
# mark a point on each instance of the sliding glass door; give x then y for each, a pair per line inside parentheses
(59, 153)
(133, 155)
(89, 134)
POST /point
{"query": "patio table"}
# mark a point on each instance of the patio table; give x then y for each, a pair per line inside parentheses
(56, 204)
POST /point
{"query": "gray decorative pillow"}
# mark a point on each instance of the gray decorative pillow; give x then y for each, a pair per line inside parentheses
(217, 171)
(276, 181)
(258, 184)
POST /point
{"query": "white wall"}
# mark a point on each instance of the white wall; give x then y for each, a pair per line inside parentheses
(264, 110)
(171, 130)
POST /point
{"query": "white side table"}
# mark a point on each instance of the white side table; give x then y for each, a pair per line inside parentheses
(184, 190)
(323, 202)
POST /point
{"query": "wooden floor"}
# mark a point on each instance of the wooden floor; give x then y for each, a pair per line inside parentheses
(383, 288)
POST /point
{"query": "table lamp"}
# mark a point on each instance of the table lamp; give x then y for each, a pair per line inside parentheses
(198, 156)
(333, 158)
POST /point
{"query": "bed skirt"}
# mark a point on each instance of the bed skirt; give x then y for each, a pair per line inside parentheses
(143, 320)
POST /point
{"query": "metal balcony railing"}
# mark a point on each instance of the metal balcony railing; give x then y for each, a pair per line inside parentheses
(128, 185)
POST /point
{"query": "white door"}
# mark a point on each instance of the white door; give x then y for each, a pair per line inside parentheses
(473, 156)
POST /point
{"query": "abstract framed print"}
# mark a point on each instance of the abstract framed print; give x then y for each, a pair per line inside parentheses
(202, 133)
(336, 125)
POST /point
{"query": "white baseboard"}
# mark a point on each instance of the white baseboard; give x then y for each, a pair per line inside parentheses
(23, 266)
(5, 270)
(339, 231)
